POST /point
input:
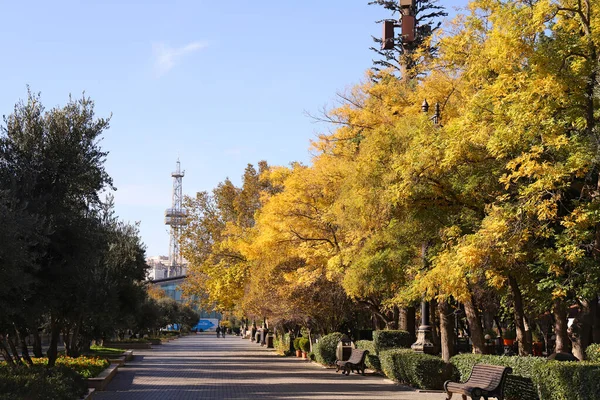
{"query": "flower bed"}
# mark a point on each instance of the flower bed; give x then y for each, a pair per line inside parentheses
(87, 367)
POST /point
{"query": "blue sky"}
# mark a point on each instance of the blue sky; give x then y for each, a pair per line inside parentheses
(216, 84)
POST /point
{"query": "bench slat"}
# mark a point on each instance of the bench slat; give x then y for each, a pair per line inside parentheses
(484, 379)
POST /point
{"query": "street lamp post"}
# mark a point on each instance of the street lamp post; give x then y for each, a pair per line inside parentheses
(424, 343)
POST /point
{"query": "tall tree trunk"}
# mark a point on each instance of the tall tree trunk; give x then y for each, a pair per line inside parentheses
(434, 323)
(519, 315)
(447, 334)
(595, 310)
(21, 335)
(13, 348)
(5, 353)
(396, 317)
(559, 309)
(74, 340)
(579, 332)
(499, 326)
(66, 334)
(474, 326)
(52, 352)
(37, 344)
(488, 320)
(407, 321)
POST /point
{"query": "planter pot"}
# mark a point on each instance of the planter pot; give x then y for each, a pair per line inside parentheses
(298, 353)
(509, 342)
(305, 355)
(537, 349)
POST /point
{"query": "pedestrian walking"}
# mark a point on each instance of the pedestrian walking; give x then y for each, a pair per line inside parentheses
(218, 331)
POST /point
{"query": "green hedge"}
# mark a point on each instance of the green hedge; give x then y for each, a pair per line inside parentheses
(325, 348)
(419, 370)
(534, 378)
(519, 385)
(40, 383)
(562, 380)
(372, 359)
(593, 352)
(384, 340)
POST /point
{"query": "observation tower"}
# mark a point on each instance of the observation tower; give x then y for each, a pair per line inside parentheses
(176, 218)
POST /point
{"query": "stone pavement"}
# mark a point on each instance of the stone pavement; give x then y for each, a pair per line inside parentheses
(204, 367)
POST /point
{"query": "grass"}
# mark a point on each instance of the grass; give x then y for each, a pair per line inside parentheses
(105, 351)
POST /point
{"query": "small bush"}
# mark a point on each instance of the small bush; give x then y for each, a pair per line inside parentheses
(326, 347)
(419, 370)
(304, 345)
(384, 340)
(372, 359)
(593, 352)
(297, 343)
(40, 383)
(282, 344)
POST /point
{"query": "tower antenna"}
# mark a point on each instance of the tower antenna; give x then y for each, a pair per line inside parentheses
(176, 218)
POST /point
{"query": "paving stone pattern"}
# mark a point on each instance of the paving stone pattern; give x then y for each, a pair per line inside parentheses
(206, 367)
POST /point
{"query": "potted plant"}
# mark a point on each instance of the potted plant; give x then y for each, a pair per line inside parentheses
(305, 347)
(509, 337)
(537, 344)
(297, 347)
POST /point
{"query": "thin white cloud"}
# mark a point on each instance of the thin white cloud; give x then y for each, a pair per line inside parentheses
(167, 57)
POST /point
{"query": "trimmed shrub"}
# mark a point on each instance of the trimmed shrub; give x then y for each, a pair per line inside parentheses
(520, 385)
(593, 352)
(325, 348)
(384, 340)
(40, 383)
(562, 380)
(419, 370)
(304, 345)
(282, 344)
(297, 343)
(372, 359)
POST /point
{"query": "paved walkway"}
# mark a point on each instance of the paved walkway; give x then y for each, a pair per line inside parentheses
(204, 367)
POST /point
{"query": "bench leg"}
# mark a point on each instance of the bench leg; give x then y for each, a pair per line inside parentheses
(464, 397)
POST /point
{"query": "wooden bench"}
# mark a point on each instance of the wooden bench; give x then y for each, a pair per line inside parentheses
(485, 381)
(356, 362)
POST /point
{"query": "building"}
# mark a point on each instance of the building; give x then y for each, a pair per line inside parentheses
(159, 267)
